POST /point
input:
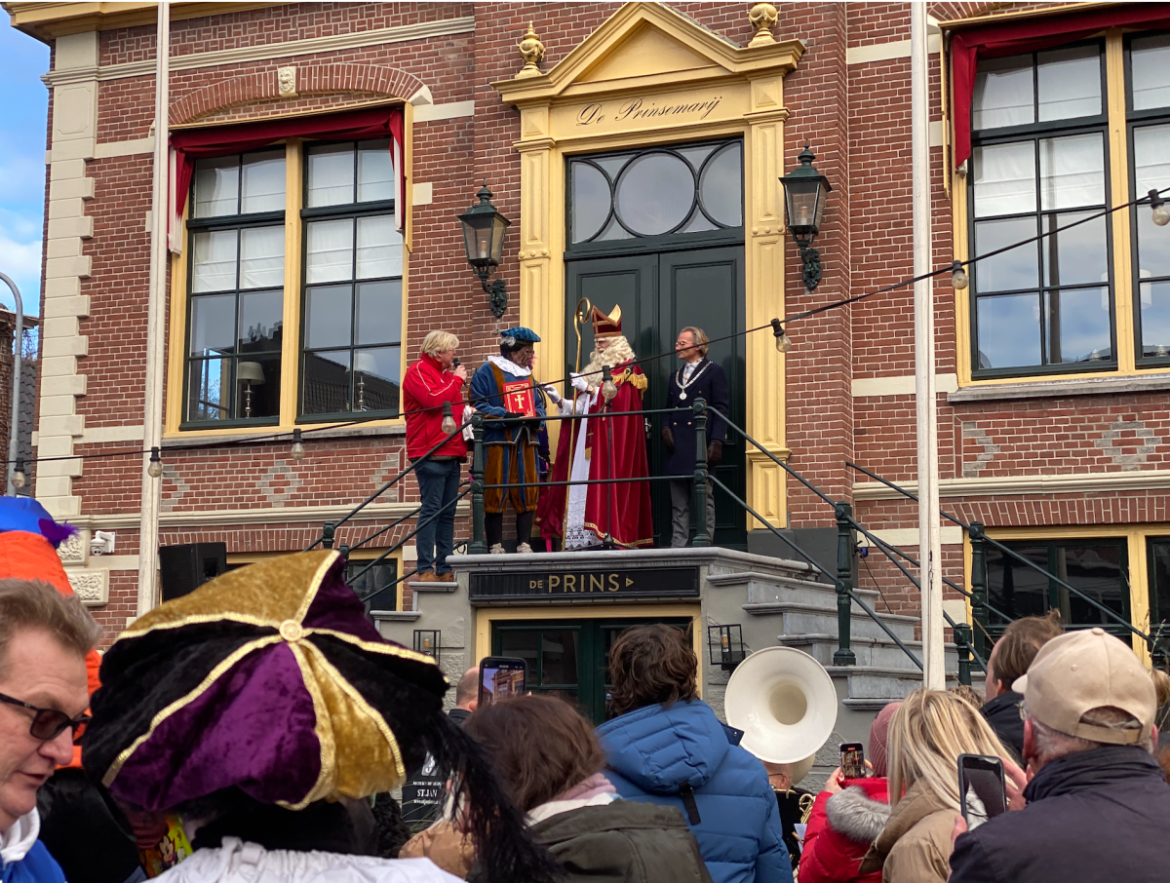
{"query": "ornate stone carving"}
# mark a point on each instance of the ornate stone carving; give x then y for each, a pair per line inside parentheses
(763, 18)
(75, 549)
(532, 51)
(286, 80)
(91, 586)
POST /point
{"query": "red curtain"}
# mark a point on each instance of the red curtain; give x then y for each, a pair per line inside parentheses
(356, 125)
(1011, 38)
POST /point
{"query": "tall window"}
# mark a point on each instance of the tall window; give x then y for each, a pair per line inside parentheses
(236, 305)
(353, 282)
(1149, 123)
(1040, 162)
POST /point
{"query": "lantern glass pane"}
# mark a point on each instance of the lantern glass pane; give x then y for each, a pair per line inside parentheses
(802, 203)
(499, 225)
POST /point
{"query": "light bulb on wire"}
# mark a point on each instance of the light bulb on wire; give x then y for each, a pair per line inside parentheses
(1158, 204)
(19, 479)
(958, 276)
(298, 446)
(155, 468)
(449, 424)
(783, 344)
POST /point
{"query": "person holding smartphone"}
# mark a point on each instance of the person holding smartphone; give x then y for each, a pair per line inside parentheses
(849, 814)
(1098, 808)
(927, 734)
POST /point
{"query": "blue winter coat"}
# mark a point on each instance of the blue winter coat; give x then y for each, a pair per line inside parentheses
(36, 867)
(653, 751)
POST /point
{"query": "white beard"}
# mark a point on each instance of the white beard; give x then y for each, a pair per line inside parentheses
(618, 351)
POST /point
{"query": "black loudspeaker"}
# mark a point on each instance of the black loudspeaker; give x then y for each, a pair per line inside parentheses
(185, 568)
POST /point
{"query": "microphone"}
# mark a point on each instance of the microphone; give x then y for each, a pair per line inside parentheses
(455, 363)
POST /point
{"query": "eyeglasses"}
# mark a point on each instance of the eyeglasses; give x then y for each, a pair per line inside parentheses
(49, 723)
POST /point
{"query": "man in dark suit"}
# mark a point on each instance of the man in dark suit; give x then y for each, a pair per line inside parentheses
(698, 377)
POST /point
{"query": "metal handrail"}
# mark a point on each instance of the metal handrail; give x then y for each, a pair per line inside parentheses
(1051, 576)
(409, 536)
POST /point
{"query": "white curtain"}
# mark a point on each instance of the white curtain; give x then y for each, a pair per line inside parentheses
(331, 175)
(262, 187)
(1003, 95)
(1005, 179)
(1069, 83)
(1072, 171)
(262, 257)
(379, 248)
(330, 251)
(214, 267)
(217, 186)
(1150, 65)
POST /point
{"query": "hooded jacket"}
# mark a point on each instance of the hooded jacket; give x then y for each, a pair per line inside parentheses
(623, 842)
(23, 858)
(840, 830)
(681, 755)
(1099, 816)
(914, 845)
(1003, 713)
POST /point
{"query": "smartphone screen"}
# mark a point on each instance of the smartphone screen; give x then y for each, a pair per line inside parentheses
(981, 785)
(501, 677)
(852, 760)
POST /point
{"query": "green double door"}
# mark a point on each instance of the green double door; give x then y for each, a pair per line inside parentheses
(567, 657)
(661, 293)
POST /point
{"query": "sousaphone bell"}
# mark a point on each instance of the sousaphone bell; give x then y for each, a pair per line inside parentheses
(786, 705)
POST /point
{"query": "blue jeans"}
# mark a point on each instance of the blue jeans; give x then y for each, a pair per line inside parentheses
(438, 485)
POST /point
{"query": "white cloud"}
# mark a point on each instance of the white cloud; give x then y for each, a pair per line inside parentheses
(22, 262)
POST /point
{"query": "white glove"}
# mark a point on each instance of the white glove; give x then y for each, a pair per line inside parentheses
(580, 384)
(552, 393)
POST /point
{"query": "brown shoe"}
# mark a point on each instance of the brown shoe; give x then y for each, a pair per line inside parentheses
(429, 577)
(448, 577)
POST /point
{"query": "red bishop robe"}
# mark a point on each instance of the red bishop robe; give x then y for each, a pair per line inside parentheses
(627, 515)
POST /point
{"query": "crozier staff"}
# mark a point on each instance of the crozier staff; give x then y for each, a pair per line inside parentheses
(698, 377)
(503, 390)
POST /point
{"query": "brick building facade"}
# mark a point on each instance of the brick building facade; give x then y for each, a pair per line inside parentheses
(1065, 454)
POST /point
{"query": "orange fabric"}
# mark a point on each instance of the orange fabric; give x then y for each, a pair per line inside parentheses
(25, 555)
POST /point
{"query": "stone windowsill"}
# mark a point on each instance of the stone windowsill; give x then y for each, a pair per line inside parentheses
(265, 435)
(1058, 388)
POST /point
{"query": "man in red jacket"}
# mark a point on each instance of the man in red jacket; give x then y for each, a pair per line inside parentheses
(427, 384)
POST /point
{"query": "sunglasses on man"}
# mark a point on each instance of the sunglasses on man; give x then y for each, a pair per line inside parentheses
(49, 723)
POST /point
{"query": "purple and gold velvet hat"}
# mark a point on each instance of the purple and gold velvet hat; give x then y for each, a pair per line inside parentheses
(268, 679)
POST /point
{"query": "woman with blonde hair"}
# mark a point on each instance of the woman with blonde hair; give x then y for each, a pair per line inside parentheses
(928, 733)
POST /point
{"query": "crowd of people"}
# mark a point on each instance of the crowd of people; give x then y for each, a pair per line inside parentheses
(600, 452)
(255, 729)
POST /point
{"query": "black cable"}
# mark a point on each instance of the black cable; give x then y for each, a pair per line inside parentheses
(287, 436)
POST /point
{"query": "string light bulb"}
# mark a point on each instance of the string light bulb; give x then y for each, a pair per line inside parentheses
(154, 469)
(298, 446)
(449, 425)
(608, 389)
(958, 276)
(19, 479)
(1158, 204)
(783, 344)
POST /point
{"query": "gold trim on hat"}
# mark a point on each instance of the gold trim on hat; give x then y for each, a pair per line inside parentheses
(322, 726)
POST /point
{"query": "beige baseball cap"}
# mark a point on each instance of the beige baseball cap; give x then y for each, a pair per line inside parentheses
(1083, 670)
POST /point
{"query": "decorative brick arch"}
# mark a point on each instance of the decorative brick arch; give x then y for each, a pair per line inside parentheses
(314, 79)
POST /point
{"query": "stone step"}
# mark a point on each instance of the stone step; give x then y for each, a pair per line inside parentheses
(804, 619)
(767, 589)
(869, 683)
(881, 652)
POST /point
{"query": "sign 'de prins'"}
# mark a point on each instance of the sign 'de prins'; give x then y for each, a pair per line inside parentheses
(585, 585)
(633, 109)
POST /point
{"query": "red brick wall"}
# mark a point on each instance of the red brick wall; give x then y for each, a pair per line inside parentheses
(857, 121)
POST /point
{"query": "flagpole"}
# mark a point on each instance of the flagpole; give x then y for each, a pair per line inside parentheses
(156, 318)
(929, 537)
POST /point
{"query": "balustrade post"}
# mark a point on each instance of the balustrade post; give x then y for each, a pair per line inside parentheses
(478, 543)
(699, 409)
(963, 645)
(979, 586)
(327, 534)
(844, 655)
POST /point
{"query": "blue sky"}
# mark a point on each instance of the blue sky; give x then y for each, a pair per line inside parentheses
(22, 162)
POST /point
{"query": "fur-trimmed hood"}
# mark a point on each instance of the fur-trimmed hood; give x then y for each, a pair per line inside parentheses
(858, 813)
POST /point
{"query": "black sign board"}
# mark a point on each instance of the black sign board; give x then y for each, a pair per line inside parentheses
(585, 584)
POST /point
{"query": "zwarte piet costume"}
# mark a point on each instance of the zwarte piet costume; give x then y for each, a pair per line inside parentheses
(270, 684)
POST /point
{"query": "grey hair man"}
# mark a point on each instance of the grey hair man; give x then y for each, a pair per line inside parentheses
(44, 638)
(1098, 808)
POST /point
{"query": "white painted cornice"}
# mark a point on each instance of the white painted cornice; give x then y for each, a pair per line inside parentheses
(267, 52)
